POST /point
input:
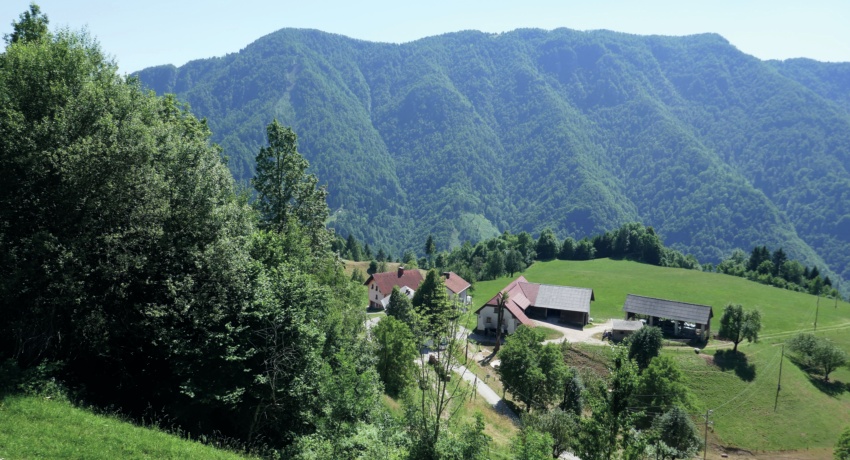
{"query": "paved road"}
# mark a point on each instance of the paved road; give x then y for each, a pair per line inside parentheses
(487, 393)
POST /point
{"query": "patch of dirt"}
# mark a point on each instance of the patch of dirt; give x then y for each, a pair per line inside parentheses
(579, 359)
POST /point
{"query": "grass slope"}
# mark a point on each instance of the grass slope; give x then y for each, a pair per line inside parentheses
(809, 414)
(34, 427)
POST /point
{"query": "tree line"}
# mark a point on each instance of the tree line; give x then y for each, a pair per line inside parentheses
(509, 254)
(776, 269)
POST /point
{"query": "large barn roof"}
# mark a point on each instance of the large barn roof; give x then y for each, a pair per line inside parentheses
(564, 298)
(669, 309)
(524, 294)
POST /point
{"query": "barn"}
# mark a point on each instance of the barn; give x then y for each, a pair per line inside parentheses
(679, 319)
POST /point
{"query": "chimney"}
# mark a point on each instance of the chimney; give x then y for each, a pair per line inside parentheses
(447, 274)
(401, 270)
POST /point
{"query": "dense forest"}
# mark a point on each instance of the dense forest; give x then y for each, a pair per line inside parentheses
(469, 134)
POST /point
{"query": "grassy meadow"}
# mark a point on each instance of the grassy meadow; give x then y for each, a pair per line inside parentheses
(36, 427)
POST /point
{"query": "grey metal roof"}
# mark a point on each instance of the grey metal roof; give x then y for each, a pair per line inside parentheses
(625, 325)
(563, 298)
(669, 309)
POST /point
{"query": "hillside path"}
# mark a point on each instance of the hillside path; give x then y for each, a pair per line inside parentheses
(486, 392)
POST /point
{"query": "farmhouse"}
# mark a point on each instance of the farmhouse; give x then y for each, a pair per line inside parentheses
(544, 301)
(677, 318)
(456, 287)
(381, 286)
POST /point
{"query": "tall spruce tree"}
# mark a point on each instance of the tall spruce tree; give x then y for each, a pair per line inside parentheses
(287, 196)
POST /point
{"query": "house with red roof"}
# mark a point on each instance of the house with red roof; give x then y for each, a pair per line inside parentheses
(534, 300)
(456, 287)
(381, 285)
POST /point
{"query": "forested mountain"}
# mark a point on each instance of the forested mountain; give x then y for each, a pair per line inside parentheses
(468, 134)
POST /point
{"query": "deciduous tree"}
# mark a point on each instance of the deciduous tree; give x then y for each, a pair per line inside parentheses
(645, 344)
(397, 354)
(738, 324)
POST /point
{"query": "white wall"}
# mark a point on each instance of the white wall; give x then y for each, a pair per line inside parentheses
(509, 321)
(375, 294)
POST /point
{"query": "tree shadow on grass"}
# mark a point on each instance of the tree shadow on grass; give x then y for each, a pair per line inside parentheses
(832, 388)
(736, 361)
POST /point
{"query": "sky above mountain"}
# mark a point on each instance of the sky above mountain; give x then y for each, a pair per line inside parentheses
(153, 32)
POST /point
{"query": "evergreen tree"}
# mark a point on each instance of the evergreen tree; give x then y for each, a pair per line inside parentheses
(401, 308)
(430, 247)
(431, 302)
(286, 195)
(778, 258)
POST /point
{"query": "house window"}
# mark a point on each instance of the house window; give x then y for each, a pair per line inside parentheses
(489, 320)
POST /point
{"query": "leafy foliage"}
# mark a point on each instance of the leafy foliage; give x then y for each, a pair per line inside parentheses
(678, 432)
(842, 446)
(818, 353)
(534, 373)
(397, 354)
(132, 264)
(644, 345)
(777, 270)
(737, 324)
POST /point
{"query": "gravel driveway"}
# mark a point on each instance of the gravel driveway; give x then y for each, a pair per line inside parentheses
(575, 334)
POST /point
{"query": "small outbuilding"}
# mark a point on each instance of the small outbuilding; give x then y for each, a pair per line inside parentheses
(680, 319)
(621, 329)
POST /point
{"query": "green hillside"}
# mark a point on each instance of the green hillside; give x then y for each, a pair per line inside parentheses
(809, 414)
(35, 427)
(467, 134)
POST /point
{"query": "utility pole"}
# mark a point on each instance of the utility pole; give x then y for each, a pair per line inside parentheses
(779, 382)
(705, 441)
(817, 309)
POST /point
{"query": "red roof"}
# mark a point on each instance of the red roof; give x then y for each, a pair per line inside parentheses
(455, 283)
(386, 281)
(521, 295)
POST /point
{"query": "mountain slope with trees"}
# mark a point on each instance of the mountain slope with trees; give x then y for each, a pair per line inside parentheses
(468, 134)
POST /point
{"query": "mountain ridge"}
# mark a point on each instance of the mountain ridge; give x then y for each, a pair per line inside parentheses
(457, 135)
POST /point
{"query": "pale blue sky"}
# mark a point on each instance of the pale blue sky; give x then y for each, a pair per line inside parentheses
(145, 33)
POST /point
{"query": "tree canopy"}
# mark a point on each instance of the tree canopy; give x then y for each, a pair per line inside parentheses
(738, 324)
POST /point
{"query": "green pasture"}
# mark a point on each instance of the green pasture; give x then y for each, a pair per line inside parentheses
(36, 427)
